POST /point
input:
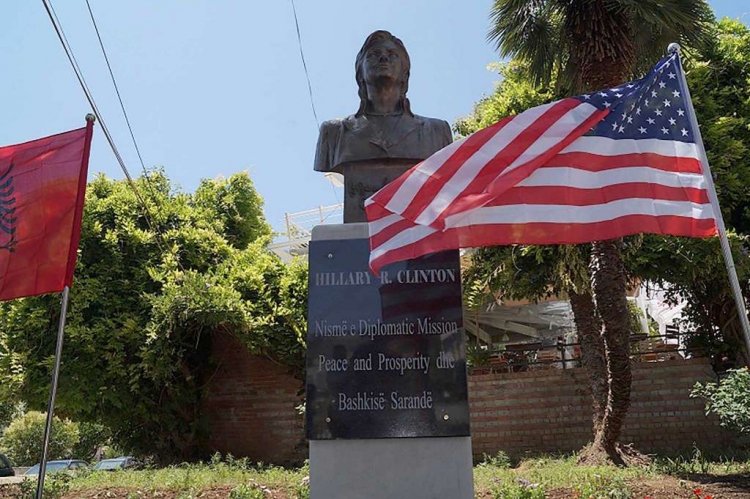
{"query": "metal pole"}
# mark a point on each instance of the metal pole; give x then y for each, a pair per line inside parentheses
(726, 249)
(53, 393)
(288, 226)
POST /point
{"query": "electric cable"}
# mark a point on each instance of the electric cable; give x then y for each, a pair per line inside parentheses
(309, 85)
(122, 104)
(87, 92)
(304, 64)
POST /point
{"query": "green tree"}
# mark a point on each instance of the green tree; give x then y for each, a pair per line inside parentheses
(594, 44)
(693, 269)
(149, 295)
(729, 399)
(22, 440)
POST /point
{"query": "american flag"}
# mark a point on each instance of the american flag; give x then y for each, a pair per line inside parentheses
(611, 163)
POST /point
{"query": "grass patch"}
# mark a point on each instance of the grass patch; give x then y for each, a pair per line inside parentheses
(495, 478)
(192, 478)
(548, 473)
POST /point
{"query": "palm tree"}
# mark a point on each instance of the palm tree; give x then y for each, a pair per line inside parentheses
(590, 45)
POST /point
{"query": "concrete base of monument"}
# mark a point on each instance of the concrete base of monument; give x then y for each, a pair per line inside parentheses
(408, 468)
(345, 467)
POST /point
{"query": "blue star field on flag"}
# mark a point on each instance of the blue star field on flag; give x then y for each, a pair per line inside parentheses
(652, 107)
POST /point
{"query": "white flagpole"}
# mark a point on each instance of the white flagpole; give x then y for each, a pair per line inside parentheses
(53, 393)
(726, 249)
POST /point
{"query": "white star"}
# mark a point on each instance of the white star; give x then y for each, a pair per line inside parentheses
(665, 131)
(616, 89)
(618, 95)
(630, 119)
(603, 94)
(667, 64)
(642, 130)
(614, 126)
(587, 97)
(684, 132)
(651, 121)
(653, 93)
(676, 93)
(672, 76)
(621, 129)
(662, 84)
(638, 111)
(646, 102)
(672, 121)
(630, 85)
(607, 104)
(658, 112)
(681, 112)
(623, 115)
(667, 103)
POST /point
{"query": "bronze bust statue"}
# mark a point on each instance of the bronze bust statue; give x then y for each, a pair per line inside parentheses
(383, 138)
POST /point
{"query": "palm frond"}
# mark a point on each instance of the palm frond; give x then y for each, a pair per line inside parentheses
(657, 23)
(528, 30)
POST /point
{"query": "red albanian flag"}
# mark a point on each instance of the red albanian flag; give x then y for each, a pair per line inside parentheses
(42, 187)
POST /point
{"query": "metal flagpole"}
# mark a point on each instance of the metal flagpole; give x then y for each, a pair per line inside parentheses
(726, 249)
(53, 393)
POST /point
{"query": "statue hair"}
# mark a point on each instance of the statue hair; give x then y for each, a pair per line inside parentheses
(375, 37)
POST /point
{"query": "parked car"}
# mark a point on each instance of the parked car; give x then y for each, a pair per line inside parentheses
(6, 468)
(56, 466)
(117, 463)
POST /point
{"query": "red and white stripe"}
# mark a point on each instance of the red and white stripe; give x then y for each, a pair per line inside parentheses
(535, 179)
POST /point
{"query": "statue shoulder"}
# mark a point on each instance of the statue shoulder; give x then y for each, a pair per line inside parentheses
(337, 125)
(328, 140)
(439, 129)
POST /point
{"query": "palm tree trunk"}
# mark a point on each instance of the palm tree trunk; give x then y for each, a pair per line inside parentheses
(608, 283)
(589, 328)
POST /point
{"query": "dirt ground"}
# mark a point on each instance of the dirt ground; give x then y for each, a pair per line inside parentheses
(719, 487)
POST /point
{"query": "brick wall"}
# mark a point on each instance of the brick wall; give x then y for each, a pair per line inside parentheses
(250, 405)
(549, 411)
(251, 408)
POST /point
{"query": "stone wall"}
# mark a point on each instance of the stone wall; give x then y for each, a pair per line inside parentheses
(251, 403)
(549, 411)
(251, 407)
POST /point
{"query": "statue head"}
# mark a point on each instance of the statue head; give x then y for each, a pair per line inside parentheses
(383, 56)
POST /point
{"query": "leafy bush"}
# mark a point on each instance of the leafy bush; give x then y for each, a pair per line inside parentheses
(682, 465)
(602, 487)
(478, 356)
(517, 489)
(499, 460)
(150, 298)
(729, 399)
(247, 491)
(22, 440)
(93, 437)
(56, 485)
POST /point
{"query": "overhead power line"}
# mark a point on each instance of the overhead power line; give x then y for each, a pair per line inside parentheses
(151, 189)
(87, 92)
(117, 88)
(304, 64)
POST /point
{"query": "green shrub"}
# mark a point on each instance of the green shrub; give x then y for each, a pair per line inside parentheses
(302, 491)
(247, 491)
(682, 465)
(92, 437)
(499, 460)
(603, 487)
(56, 485)
(517, 489)
(22, 440)
(729, 399)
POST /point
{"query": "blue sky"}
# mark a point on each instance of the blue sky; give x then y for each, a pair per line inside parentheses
(214, 87)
